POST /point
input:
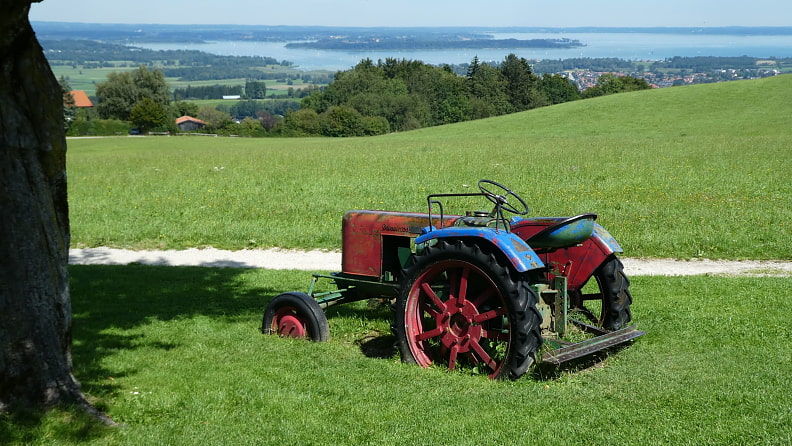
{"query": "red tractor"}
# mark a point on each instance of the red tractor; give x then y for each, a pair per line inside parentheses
(478, 291)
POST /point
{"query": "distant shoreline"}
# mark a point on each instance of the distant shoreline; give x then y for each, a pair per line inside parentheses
(414, 44)
(446, 45)
(159, 33)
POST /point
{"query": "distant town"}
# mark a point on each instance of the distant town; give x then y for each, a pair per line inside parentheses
(584, 79)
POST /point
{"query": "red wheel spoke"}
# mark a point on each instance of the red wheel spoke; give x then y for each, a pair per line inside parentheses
(427, 289)
(492, 314)
(485, 357)
(452, 357)
(429, 310)
(486, 294)
(461, 293)
(429, 334)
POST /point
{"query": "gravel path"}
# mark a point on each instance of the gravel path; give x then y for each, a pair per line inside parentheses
(331, 261)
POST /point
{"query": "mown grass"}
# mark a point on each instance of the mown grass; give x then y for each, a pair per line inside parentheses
(699, 171)
(175, 355)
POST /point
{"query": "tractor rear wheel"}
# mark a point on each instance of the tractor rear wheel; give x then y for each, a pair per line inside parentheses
(607, 306)
(296, 315)
(462, 307)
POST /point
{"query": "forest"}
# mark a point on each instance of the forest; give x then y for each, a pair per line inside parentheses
(369, 99)
(182, 64)
(399, 95)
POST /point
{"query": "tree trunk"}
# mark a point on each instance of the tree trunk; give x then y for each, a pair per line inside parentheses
(35, 306)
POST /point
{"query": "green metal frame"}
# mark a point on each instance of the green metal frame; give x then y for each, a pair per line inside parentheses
(347, 289)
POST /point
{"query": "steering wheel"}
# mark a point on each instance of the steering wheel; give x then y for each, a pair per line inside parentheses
(500, 199)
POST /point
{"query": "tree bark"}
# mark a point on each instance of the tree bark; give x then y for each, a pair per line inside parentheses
(35, 305)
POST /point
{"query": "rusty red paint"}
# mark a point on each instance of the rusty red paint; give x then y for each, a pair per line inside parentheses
(364, 231)
(578, 262)
(362, 237)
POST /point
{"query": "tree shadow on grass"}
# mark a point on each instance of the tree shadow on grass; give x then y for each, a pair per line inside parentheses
(109, 300)
(68, 425)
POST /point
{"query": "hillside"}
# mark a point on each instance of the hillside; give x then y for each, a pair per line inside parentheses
(739, 108)
(697, 171)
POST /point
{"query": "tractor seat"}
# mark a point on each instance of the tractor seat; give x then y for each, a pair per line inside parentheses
(565, 233)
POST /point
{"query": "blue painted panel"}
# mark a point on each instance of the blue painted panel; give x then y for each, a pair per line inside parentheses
(605, 239)
(521, 256)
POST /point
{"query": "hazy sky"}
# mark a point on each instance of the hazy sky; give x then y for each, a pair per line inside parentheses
(423, 12)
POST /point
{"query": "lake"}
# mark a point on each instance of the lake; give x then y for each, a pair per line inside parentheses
(630, 46)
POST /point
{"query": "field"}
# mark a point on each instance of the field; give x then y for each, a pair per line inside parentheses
(680, 172)
(85, 79)
(174, 353)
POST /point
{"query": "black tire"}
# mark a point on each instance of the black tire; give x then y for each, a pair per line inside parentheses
(296, 315)
(461, 305)
(612, 299)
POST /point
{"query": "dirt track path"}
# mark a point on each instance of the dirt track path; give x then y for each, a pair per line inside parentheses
(331, 261)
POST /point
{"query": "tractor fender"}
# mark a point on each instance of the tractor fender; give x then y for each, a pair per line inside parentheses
(605, 240)
(585, 258)
(522, 257)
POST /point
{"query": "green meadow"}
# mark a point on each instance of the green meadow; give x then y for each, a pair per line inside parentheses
(685, 172)
(175, 353)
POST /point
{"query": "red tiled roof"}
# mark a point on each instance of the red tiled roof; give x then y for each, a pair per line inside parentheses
(81, 99)
(189, 118)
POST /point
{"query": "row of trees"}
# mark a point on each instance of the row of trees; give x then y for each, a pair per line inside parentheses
(369, 99)
(216, 91)
(399, 95)
(70, 51)
(253, 89)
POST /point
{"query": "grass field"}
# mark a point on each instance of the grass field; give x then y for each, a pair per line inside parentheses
(698, 171)
(175, 354)
(85, 79)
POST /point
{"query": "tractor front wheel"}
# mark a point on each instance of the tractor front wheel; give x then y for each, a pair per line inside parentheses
(296, 315)
(462, 307)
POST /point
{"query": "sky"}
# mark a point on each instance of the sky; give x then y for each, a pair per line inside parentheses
(398, 13)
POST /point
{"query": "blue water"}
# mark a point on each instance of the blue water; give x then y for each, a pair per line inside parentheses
(631, 46)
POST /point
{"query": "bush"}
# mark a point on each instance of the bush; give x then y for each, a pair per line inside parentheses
(98, 127)
(303, 122)
(374, 125)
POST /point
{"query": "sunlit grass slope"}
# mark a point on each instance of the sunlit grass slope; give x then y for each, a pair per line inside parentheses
(677, 172)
